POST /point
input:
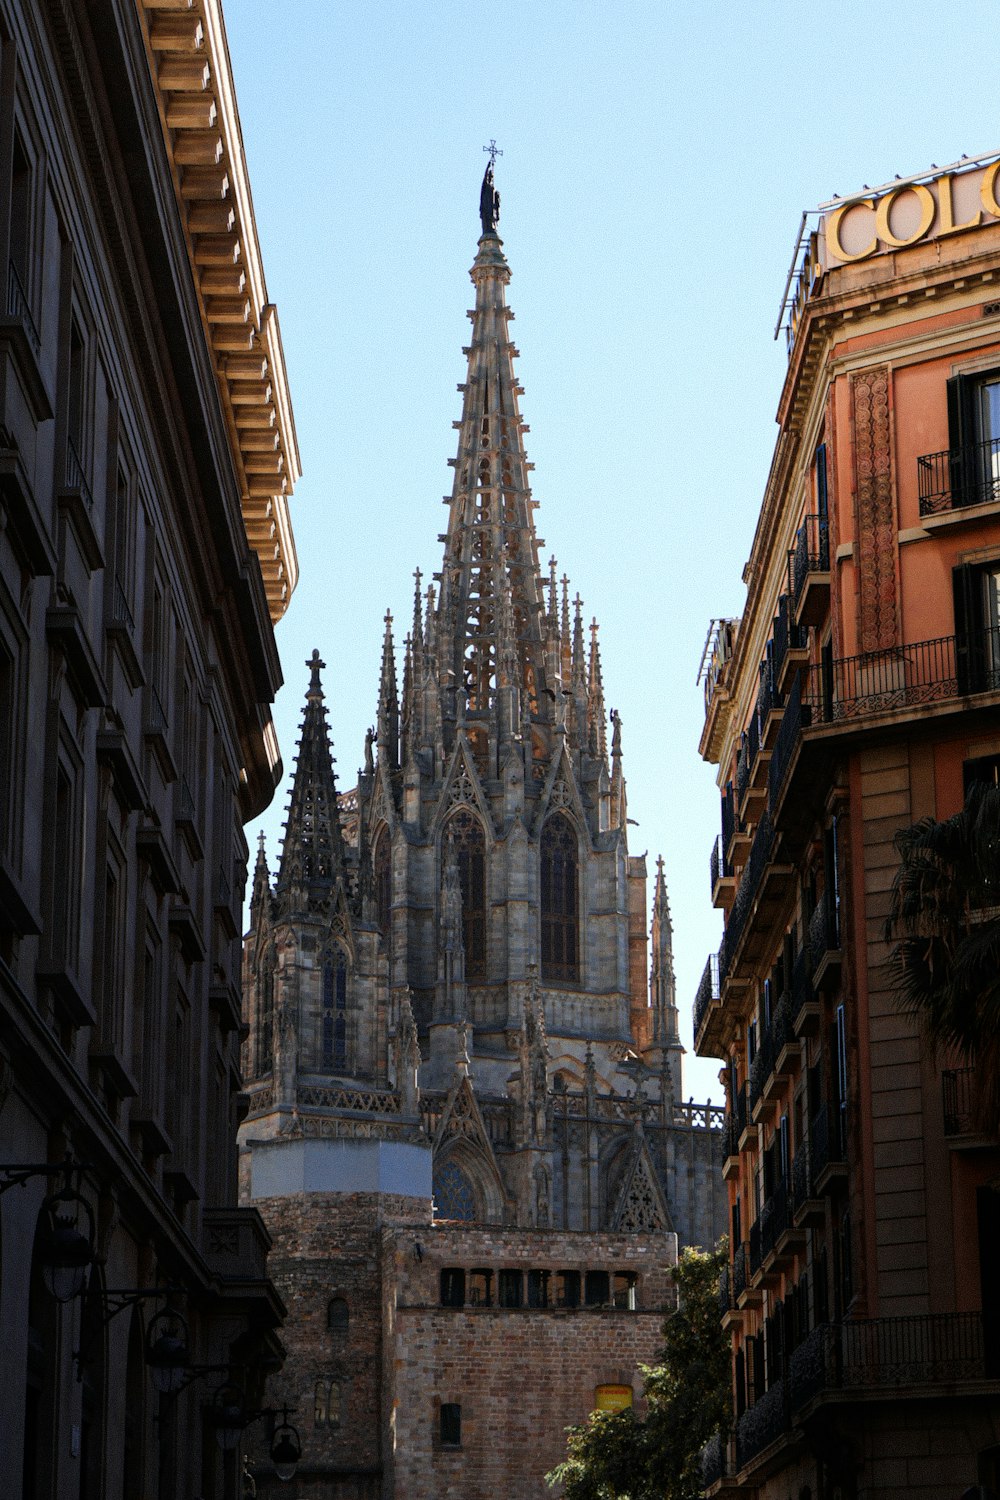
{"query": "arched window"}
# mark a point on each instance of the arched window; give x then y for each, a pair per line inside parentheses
(453, 1195)
(335, 1012)
(338, 1315)
(470, 852)
(559, 893)
(382, 873)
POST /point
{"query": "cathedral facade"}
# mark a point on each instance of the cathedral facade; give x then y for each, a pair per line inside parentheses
(466, 1123)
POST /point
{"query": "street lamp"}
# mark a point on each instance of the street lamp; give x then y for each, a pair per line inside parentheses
(166, 1351)
(66, 1248)
(227, 1413)
(286, 1448)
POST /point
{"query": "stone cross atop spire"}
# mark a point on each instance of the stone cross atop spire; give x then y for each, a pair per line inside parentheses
(312, 855)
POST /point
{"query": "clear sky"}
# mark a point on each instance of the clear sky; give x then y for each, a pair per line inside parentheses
(657, 158)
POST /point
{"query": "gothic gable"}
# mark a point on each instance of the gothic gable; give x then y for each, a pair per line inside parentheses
(640, 1205)
(461, 1142)
(560, 793)
(462, 788)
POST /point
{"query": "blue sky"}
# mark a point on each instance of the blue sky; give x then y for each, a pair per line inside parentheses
(657, 158)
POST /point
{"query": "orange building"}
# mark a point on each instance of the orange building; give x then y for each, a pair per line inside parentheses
(859, 692)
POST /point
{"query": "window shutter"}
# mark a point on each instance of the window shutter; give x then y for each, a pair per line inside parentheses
(968, 627)
(959, 438)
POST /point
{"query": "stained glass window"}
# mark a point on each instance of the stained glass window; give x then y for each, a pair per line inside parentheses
(559, 901)
(453, 1195)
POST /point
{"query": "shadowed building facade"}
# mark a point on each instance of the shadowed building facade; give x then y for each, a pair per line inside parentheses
(451, 1003)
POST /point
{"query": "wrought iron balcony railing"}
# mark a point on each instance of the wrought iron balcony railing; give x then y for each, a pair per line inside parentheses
(708, 990)
(730, 820)
(746, 891)
(756, 1251)
(75, 477)
(740, 1270)
(18, 307)
(801, 1178)
(956, 477)
(959, 1097)
(811, 553)
(797, 716)
(801, 990)
(121, 611)
(719, 867)
(824, 931)
(762, 1424)
(768, 697)
(725, 1291)
(787, 636)
(900, 677)
(827, 1142)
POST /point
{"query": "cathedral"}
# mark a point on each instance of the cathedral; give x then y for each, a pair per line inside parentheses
(466, 1129)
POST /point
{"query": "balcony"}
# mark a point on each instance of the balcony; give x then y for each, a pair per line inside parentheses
(808, 1209)
(706, 1000)
(782, 1235)
(761, 1424)
(807, 1009)
(828, 1148)
(762, 884)
(960, 1108)
(824, 943)
(770, 703)
(921, 1355)
(959, 477)
(809, 571)
(745, 1126)
(722, 876)
(760, 1071)
(19, 309)
(796, 717)
(751, 772)
(718, 1466)
(909, 676)
(790, 652)
(731, 1145)
(741, 1274)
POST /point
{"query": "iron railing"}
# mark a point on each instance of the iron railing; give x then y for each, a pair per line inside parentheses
(900, 677)
(742, 770)
(801, 1178)
(708, 990)
(768, 697)
(739, 1270)
(18, 307)
(959, 1097)
(155, 715)
(732, 1133)
(746, 891)
(121, 610)
(719, 867)
(872, 1354)
(725, 1291)
(797, 716)
(775, 1219)
(75, 477)
(756, 1249)
(761, 1424)
(762, 1066)
(969, 475)
(811, 553)
(718, 1460)
(826, 1139)
(801, 989)
(824, 931)
(730, 820)
(787, 635)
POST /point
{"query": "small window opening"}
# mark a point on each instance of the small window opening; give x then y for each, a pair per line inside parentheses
(451, 1424)
(598, 1289)
(624, 1290)
(567, 1289)
(338, 1315)
(511, 1289)
(480, 1288)
(538, 1288)
(452, 1287)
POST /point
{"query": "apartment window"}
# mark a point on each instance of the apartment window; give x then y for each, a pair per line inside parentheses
(559, 897)
(974, 437)
(820, 471)
(464, 833)
(452, 1287)
(840, 1055)
(598, 1289)
(567, 1289)
(510, 1289)
(451, 1424)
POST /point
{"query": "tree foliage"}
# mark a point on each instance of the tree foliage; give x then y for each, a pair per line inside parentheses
(618, 1456)
(944, 923)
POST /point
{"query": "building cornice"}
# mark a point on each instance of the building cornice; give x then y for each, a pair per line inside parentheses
(192, 77)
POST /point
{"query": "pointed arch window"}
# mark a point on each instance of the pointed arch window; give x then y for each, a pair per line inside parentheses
(470, 852)
(559, 899)
(382, 876)
(334, 1021)
(453, 1195)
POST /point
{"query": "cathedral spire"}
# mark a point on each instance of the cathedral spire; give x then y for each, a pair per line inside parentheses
(491, 550)
(388, 702)
(661, 979)
(312, 856)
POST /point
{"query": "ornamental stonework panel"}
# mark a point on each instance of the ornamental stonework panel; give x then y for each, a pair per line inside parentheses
(876, 509)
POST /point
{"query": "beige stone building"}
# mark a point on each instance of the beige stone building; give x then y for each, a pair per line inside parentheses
(146, 453)
(454, 1022)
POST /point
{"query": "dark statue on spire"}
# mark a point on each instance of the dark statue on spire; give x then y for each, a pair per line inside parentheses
(489, 202)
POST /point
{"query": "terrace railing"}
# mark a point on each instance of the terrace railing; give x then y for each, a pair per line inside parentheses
(824, 931)
(959, 1098)
(708, 990)
(826, 1140)
(956, 477)
(19, 308)
(811, 553)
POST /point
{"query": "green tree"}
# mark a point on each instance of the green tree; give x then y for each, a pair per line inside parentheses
(944, 924)
(618, 1456)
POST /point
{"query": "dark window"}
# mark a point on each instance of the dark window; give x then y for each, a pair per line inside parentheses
(338, 1315)
(560, 960)
(567, 1290)
(974, 438)
(538, 1288)
(470, 853)
(451, 1424)
(984, 770)
(598, 1291)
(382, 871)
(452, 1287)
(977, 627)
(821, 481)
(510, 1289)
(335, 1012)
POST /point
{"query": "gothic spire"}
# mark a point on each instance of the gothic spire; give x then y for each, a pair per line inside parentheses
(388, 702)
(261, 889)
(661, 979)
(312, 856)
(490, 544)
(597, 728)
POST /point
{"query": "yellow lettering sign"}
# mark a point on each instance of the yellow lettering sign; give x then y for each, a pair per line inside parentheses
(883, 229)
(988, 190)
(833, 244)
(946, 212)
